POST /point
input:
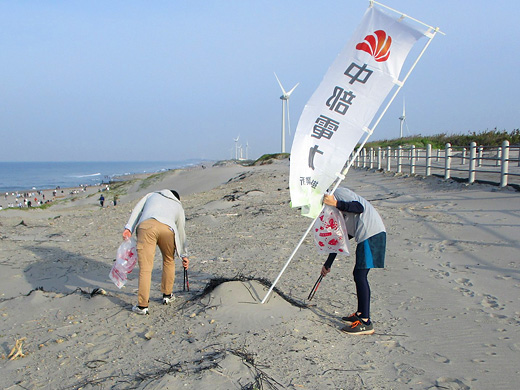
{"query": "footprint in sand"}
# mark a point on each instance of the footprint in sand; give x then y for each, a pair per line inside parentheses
(440, 358)
(407, 372)
(464, 281)
(450, 383)
(439, 274)
(514, 347)
(490, 301)
(465, 292)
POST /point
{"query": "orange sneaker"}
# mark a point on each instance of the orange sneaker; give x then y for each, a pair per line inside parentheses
(359, 327)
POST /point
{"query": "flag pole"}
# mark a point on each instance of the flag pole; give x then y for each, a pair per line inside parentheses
(341, 176)
(290, 258)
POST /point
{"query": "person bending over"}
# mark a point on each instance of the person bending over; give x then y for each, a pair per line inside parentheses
(365, 225)
(158, 219)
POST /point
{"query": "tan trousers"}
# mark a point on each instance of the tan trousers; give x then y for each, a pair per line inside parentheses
(152, 233)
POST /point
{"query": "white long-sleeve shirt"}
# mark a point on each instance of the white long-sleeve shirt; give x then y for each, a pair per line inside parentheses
(164, 207)
(360, 225)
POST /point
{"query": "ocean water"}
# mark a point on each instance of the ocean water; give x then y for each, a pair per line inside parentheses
(20, 176)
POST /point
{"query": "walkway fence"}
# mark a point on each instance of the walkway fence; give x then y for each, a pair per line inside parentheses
(494, 165)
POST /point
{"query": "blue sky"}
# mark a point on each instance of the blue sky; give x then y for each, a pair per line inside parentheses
(173, 80)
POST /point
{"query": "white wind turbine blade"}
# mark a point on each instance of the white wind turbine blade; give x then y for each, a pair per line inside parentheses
(291, 91)
(280, 84)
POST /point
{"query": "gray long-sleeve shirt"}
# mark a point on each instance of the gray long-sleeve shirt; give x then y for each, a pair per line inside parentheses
(362, 225)
(164, 207)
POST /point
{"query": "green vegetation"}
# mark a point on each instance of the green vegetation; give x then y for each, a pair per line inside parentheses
(153, 179)
(439, 141)
(120, 188)
(268, 158)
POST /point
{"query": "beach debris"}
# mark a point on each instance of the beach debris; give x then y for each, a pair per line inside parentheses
(98, 291)
(16, 352)
(95, 363)
(230, 197)
(22, 223)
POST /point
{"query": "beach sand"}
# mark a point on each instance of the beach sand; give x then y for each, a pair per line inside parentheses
(446, 309)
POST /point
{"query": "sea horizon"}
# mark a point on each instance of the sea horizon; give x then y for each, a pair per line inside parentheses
(17, 176)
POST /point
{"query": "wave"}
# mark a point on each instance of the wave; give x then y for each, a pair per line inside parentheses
(91, 175)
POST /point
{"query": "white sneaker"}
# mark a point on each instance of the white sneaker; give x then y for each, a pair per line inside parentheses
(168, 299)
(137, 310)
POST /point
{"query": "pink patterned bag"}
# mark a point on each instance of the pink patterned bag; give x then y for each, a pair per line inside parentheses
(125, 262)
(330, 232)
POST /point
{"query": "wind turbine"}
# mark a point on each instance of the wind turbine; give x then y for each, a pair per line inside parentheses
(402, 118)
(236, 146)
(285, 103)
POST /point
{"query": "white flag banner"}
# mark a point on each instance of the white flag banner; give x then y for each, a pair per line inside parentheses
(343, 106)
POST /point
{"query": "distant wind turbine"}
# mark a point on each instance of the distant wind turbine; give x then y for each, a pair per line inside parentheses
(236, 146)
(285, 103)
(402, 118)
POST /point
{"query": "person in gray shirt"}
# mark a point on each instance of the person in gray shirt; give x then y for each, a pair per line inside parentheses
(365, 225)
(158, 220)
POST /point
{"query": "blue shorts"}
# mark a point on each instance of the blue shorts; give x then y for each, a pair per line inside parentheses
(371, 252)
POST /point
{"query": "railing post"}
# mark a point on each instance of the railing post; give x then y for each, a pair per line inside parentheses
(447, 161)
(371, 159)
(379, 158)
(388, 158)
(499, 157)
(505, 164)
(463, 160)
(412, 160)
(472, 161)
(428, 159)
(399, 152)
(438, 155)
(480, 154)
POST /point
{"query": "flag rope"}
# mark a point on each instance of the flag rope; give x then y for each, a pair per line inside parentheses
(356, 154)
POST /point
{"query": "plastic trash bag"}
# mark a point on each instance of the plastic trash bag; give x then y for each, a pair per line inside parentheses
(126, 260)
(330, 232)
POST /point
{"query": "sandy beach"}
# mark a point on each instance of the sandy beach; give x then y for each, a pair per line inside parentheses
(446, 309)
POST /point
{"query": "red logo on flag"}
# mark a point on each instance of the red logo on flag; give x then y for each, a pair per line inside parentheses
(377, 45)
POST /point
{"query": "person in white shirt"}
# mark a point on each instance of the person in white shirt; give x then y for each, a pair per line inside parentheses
(158, 220)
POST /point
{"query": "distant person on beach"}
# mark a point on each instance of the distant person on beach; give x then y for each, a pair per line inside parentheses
(158, 219)
(115, 200)
(365, 225)
(101, 200)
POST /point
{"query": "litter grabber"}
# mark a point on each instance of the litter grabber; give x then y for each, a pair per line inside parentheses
(186, 281)
(328, 265)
